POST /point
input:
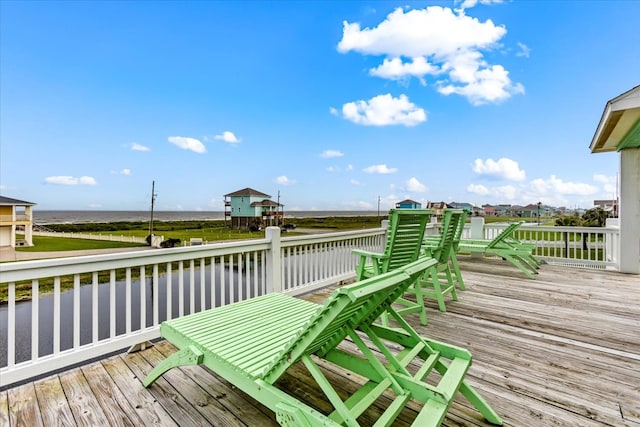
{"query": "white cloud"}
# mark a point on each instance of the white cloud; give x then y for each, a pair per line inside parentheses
(436, 41)
(228, 136)
(328, 154)
(384, 110)
(479, 85)
(139, 147)
(354, 182)
(477, 189)
(506, 192)
(555, 185)
(70, 180)
(609, 183)
(381, 169)
(187, 143)
(524, 50)
(415, 186)
(503, 168)
(283, 180)
(332, 169)
(396, 69)
(349, 167)
(125, 172)
(468, 4)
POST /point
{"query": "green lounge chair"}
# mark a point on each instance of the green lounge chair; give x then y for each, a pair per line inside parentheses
(403, 243)
(439, 281)
(431, 243)
(506, 246)
(253, 343)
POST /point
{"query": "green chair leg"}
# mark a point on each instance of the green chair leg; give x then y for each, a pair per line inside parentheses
(479, 403)
(187, 356)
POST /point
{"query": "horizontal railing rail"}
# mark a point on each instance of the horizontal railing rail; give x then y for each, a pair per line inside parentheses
(16, 218)
(60, 312)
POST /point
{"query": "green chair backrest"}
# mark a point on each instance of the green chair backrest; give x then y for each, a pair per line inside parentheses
(505, 234)
(452, 224)
(404, 236)
(348, 308)
(460, 228)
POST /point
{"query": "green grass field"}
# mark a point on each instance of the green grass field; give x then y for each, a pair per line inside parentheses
(49, 244)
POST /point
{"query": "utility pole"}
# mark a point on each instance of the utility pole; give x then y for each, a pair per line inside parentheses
(153, 199)
(279, 218)
(539, 206)
(378, 206)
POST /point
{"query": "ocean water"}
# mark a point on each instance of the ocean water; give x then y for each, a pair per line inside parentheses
(44, 217)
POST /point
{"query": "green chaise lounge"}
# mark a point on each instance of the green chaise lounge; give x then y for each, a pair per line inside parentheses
(252, 343)
(506, 246)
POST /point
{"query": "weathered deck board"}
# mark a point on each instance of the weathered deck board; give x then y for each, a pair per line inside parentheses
(23, 406)
(55, 408)
(562, 349)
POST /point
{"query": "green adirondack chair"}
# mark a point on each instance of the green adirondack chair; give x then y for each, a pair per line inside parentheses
(438, 281)
(431, 243)
(506, 246)
(403, 243)
(253, 343)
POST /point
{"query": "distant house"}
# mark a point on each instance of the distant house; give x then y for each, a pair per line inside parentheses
(464, 206)
(503, 210)
(489, 210)
(610, 206)
(477, 211)
(532, 211)
(408, 204)
(250, 209)
(437, 208)
(15, 217)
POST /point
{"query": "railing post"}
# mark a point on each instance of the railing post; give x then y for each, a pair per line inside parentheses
(477, 233)
(274, 261)
(611, 242)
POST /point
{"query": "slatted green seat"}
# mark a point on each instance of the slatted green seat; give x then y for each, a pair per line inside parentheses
(253, 343)
(402, 246)
(506, 246)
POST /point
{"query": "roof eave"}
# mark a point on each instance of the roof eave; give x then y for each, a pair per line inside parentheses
(625, 105)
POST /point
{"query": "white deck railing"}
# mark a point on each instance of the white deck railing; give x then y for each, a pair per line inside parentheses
(79, 308)
(585, 247)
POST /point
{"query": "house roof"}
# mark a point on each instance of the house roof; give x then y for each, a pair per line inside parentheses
(266, 202)
(247, 192)
(408, 202)
(437, 205)
(619, 126)
(8, 201)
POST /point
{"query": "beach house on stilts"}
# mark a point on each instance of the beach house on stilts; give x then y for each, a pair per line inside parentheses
(15, 217)
(250, 209)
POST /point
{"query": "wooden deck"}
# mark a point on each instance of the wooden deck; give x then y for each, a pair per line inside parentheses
(560, 350)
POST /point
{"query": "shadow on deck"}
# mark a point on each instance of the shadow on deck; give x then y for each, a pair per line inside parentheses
(560, 350)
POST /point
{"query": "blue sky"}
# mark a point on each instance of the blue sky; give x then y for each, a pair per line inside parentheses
(335, 105)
